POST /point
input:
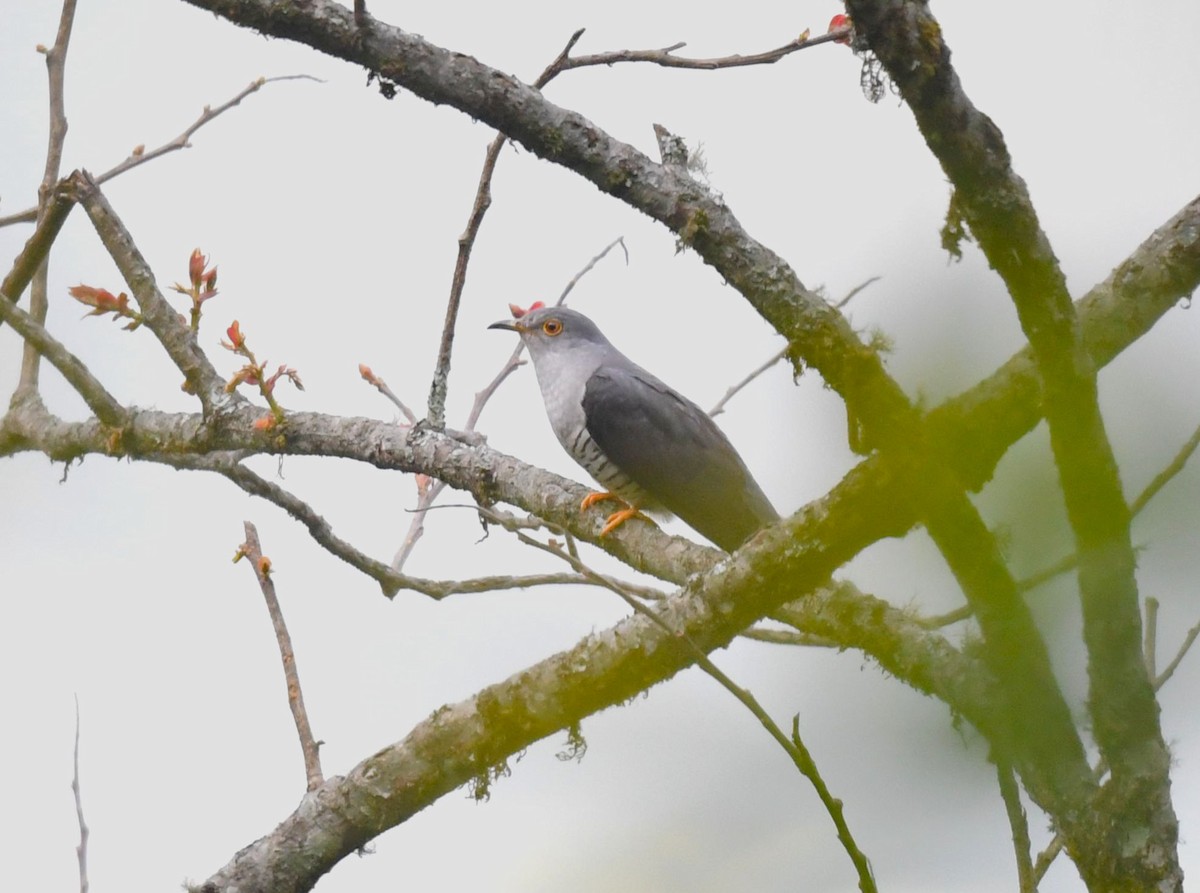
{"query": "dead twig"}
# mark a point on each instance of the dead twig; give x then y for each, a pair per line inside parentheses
(252, 550)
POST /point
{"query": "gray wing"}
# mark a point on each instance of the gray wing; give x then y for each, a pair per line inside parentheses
(671, 449)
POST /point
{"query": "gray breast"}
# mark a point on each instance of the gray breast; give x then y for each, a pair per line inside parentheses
(562, 388)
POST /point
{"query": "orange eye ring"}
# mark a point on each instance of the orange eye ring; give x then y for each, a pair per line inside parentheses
(552, 327)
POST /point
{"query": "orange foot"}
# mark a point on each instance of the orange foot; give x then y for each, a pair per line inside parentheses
(617, 518)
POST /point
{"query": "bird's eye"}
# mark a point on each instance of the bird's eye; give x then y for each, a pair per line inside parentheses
(552, 327)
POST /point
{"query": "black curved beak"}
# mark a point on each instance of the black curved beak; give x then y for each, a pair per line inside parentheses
(510, 324)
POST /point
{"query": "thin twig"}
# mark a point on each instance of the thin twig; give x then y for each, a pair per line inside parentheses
(775, 358)
(428, 496)
(139, 157)
(666, 56)
(390, 581)
(853, 293)
(1169, 669)
(1010, 793)
(436, 413)
(81, 850)
(1173, 468)
(382, 386)
(587, 268)
(793, 745)
(252, 550)
(39, 302)
(729, 394)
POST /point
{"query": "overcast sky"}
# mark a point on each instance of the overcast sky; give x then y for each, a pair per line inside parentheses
(333, 215)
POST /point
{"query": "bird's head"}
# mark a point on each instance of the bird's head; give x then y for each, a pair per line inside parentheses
(548, 331)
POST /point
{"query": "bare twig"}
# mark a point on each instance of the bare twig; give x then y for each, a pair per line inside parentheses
(390, 581)
(587, 268)
(853, 293)
(666, 56)
(1169, 669)
(81, 850)
(775, 358)
(719, 407)
(39, 303)
(139, 157)
(1173, 468)
(262, 570)
(1010, 793)
(466, 242)
(436, 412)
(382, 386)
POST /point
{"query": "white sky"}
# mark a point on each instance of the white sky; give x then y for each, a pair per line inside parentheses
(333, 216)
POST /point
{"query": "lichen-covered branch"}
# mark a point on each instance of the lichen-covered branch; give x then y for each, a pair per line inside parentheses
(995, 203)
(466, 740)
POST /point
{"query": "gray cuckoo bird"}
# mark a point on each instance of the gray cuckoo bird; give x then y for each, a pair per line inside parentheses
(645, 443)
